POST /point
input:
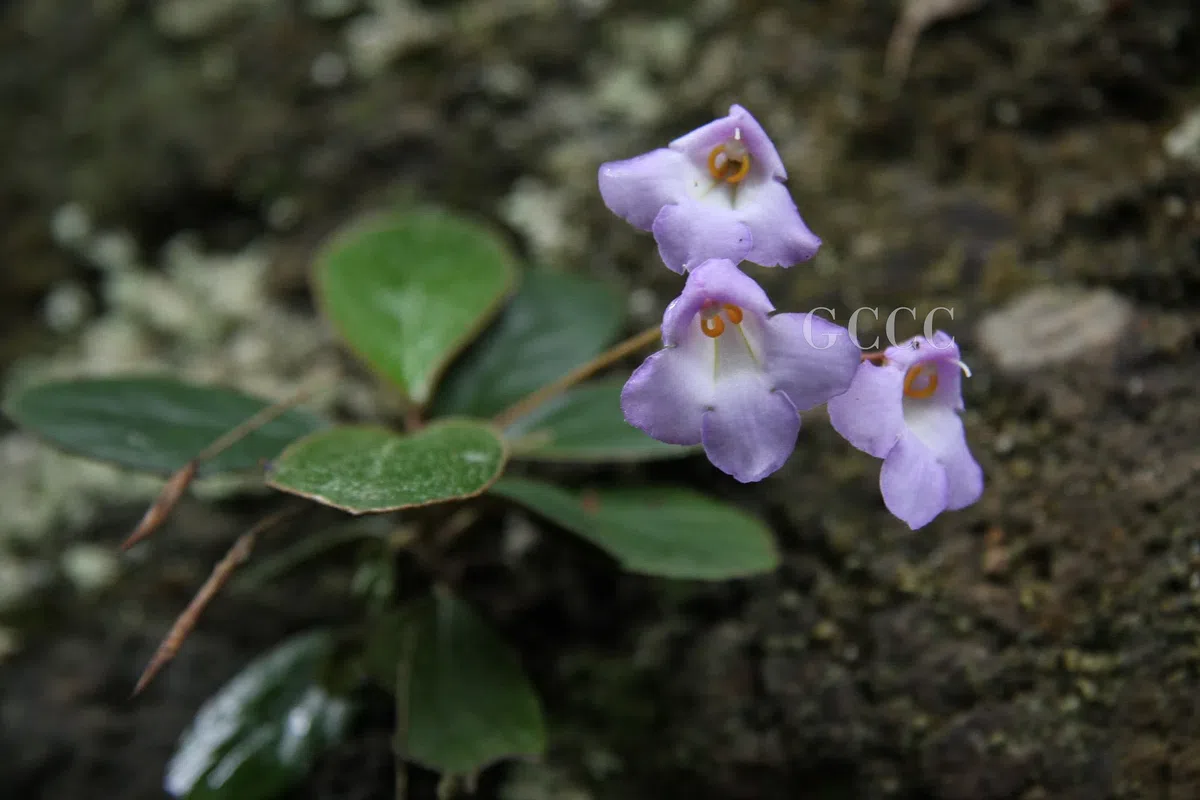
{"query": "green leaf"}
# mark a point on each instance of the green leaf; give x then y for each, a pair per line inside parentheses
(155, 424)
(671, 533)
(262, 731)
(365, 469)
(586, 425)
(466, 700)
(408, 291)
(554, 323)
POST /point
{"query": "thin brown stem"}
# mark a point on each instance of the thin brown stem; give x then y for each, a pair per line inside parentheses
(456, 525)
(403, 689)
(221, 573)
(172, 492)
(166, 501)
(578, 375)
(251, 424)
(412, 418)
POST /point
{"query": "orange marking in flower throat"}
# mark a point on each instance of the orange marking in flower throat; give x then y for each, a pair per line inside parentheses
(711, 323)
(923, 390)
(733, 169)
(712, 326)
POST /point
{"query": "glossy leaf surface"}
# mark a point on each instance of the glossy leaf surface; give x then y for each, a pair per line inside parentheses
(154, 424)
(262, 731)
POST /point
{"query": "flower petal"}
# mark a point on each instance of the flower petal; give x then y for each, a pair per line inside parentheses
(716, 281)
(870, 415)
(779, 236)
(700, 142)
(636, 189)
(750, 431)
(941, 430)
(667, 395)
(809, 358)
(691, 232)
(914, 484)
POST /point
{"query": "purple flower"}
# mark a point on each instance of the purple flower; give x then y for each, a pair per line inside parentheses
(732, 376)
(906, 412)
(716, 192)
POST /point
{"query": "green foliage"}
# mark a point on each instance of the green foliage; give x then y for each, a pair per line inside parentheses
(463, 699)
(262, 731)
(672, 533)
(585, 424)
(366, 469)
(553, 324)
(155, 424)
(408, 291)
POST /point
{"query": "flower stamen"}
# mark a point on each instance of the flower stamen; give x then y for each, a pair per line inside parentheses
(712, 326)
(729, 162)
(921, 390)
(711, 323)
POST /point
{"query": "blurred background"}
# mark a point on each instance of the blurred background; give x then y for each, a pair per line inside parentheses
(169, 167)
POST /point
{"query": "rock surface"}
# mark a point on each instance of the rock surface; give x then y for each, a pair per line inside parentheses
(1055, 325)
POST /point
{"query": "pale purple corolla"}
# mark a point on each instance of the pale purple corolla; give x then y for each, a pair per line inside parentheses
(733, 376)
(717, 192)
(906, 411)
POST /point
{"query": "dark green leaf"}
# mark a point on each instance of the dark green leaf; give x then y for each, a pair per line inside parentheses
(155, 424)
(585, 424)
(468, 703)
(554, 323)
(365, 469)
(672, 533)
(263, 730)
(408, 291)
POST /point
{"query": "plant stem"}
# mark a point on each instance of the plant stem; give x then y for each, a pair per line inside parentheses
(221, 573)
(298, 553)
(400, 739)
(178, 483)
(252, 424)
(577, 375)
(412, 417)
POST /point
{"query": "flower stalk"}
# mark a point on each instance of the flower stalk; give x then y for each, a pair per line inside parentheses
(578, 375)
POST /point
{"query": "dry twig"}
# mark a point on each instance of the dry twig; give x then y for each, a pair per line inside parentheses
(161, 508)
(222, 572)
(173, 491)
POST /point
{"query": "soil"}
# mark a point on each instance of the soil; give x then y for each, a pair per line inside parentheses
(1044, 643)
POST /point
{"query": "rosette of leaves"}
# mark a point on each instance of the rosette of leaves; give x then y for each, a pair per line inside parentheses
(439, 308)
